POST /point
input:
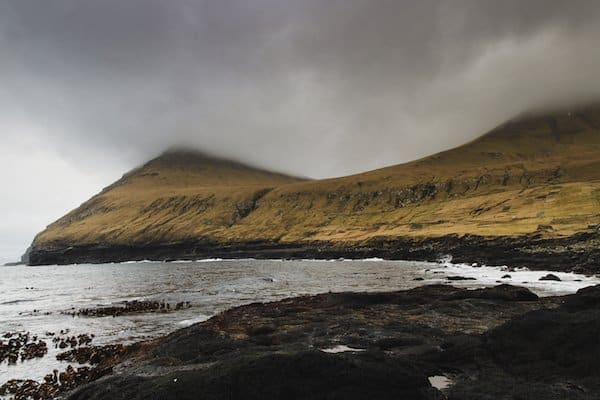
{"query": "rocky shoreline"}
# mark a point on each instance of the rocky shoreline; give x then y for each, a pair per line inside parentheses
(494, 343)
(578, 253)
(432, 342)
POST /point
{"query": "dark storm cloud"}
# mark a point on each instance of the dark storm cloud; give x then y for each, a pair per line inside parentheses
(312, 87)
(89, 89)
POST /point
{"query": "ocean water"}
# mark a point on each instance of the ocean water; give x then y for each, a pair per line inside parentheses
(35, 299)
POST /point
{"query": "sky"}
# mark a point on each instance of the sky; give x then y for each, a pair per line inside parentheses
(91, 89)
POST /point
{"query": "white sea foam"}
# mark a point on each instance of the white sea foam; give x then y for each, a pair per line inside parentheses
(136, 262)
(340, 348)
(489, 276)
(192, 321)
(439, 382)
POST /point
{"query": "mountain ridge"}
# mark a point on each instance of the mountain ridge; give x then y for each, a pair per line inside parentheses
(535, 175)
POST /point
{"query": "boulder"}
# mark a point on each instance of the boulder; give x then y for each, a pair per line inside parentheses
(550, 277)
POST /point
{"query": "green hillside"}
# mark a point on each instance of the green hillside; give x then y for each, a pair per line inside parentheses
(538, 173)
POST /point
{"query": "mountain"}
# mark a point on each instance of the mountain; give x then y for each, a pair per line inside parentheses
(532, 181)
(175, 196)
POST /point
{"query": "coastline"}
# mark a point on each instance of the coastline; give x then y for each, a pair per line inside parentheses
(203, 289)
(380, 345)
(431, 342)
(578, 253)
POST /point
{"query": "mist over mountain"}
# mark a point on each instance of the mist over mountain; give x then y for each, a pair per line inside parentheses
(353, 85)
(316, 89)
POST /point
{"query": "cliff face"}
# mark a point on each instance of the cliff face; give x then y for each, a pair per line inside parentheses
(533, 175)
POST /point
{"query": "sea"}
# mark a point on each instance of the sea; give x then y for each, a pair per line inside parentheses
(40, 300)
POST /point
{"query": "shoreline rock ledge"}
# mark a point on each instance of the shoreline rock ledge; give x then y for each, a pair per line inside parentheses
(494, 343)
(579, 253)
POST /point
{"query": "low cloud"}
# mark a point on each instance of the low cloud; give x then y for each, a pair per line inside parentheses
(312, 88)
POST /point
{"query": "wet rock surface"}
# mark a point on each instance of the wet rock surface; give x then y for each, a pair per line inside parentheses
(129, 308)
(63, 340)
(494, 343)
(15, 346)
(54, 384)
(459, 278)
(94, 361)
(550, 277)
(95, 354)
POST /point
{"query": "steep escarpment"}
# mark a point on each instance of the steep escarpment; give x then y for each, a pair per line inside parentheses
(534, 178)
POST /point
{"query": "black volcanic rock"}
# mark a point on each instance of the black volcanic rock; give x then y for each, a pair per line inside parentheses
(501, 292)
(580, 253)
(550, 277)
(460, 278)
(304, 375)
(550, 344)
(493, 343)
(549, 353)
(586, 298)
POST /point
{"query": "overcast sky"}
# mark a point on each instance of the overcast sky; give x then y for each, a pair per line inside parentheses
(90, 89)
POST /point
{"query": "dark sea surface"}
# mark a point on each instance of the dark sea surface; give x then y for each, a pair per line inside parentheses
(38, 299)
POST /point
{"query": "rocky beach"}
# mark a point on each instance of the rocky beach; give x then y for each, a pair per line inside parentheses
(431, 342)
(388, 328)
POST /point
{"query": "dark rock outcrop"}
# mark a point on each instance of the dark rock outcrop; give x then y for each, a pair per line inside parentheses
(550, 277)
(304, 375)
(459, 278)
(494, 343)
(579, 253)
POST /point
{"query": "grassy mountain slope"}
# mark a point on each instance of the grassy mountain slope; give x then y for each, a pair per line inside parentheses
(536, 173)
(176, 195)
